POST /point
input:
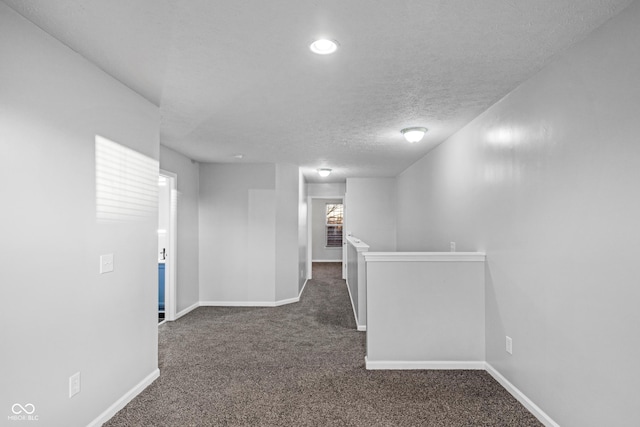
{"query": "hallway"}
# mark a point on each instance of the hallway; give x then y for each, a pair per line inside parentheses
(302, 365)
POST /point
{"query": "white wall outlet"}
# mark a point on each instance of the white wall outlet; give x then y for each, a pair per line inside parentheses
(106, 263)
(74, 384)
(509, 343)
(452, 246)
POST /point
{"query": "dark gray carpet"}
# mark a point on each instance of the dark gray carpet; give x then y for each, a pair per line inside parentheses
(302, 365)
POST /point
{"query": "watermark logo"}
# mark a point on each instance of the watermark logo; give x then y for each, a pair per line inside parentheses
(23, 412)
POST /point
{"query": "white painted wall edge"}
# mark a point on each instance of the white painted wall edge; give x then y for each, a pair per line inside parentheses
(287, 301)
(424, 256)
(242, 303)
(353, 307)
(415, 364)
(248, 303)
(521, 397)
(187, 310)
(126, 398)
(357, 243)
(304, 285)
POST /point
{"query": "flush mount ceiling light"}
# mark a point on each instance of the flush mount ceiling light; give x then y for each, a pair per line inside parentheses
(324, 172)
(414, 134)
(324, 46)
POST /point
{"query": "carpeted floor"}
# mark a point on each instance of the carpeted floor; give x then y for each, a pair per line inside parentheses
(302, 365)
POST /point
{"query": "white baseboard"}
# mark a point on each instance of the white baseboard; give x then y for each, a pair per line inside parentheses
(287, 301)
(248, 303)
(521, 397)
(126, 398)
(302, 290)
(355, 315)
(439, 364)
(328, 260)
(237, 303)
(187, 310)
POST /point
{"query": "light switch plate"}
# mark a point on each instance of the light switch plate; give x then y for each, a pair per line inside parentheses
(74, 384)
(106, 263)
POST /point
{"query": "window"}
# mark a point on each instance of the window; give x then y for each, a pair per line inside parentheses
(334, 225)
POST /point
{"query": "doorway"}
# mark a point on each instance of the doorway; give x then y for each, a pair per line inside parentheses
(325, 231)
(167, 230)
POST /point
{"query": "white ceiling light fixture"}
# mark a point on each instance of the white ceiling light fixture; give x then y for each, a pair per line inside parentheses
(324, 46)
(413, 134)
(324, 172)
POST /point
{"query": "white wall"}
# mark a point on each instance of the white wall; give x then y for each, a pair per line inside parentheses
(546, 182)
(302, 231)
(287, 248)
(59, 315)
(237, 232)
(318, 232)
(329, 189)
(426, 309)
(370, 211)
(187, 289)
(249, 233)
(164, 204)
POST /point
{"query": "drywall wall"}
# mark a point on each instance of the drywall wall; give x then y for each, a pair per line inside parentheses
(237, 208)
(329, 189)
(318, 232)
(546, 183)
(187, 289)
(370, 212)
(249, 234)
(164, 206)
(287, 211)
(426, 311)
(302, 231)
(60, 316)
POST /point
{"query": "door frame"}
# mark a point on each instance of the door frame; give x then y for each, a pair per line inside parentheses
(310, 232)
(170, 272)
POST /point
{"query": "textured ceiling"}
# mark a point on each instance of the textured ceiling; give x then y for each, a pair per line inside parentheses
(235, 76)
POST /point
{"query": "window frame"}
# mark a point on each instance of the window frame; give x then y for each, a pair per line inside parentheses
(329, 234)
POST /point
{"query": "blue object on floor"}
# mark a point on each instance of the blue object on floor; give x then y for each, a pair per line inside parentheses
(161, 287)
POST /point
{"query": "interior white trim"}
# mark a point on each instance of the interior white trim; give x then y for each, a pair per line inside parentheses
(521, 397)
(304, 285)
(359, 245)
(329, 260)
(310, 261)
(126, 398)
(424, 256)
(171, 277)
(411, 364)
(353, 307)
(287, 301)
(248, 303)
(187, 310)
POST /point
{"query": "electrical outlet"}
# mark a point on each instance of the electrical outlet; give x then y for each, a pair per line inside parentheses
(106, 263)
(452, 246)
(509, 345)
(74, 384)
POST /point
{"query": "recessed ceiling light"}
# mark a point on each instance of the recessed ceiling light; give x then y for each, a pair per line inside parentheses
(324, 172)
(414, 134)
(324, 46)
(238, 156)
